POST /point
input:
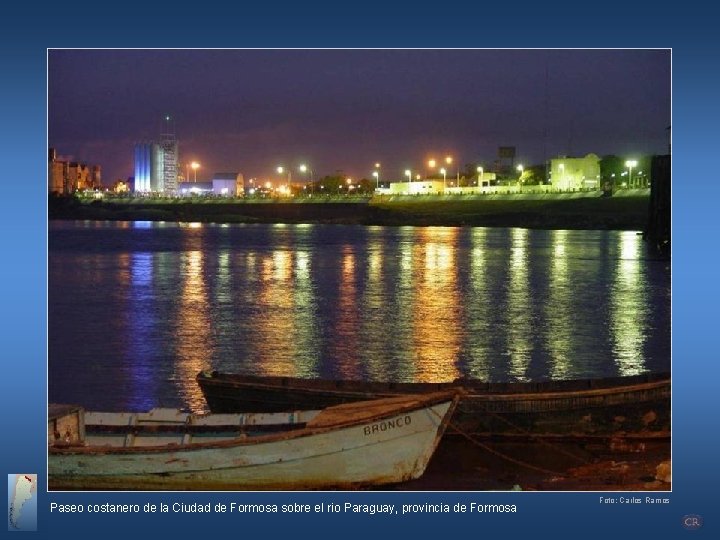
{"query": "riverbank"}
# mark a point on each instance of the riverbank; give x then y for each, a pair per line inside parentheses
(591, 212)
(459, 465)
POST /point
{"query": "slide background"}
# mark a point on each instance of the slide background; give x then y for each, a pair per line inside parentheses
(692, 34)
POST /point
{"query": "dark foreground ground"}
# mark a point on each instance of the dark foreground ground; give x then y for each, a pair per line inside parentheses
(620, 213)
(459, 465)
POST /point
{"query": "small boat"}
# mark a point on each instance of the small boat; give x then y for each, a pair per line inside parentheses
(636, 405)
(348, 446)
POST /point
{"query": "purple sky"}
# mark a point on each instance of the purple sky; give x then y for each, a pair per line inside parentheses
(252, 110)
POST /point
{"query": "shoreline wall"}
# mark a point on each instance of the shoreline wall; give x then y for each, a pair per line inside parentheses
(589, 212)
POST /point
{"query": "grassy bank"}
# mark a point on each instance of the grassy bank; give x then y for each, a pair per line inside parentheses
(629, 213)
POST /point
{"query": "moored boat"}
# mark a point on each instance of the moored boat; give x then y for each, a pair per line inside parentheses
(637, 404)
(353, 445)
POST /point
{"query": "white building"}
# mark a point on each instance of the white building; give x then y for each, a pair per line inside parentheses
(419, 187)
(575, 173)
(228, 184)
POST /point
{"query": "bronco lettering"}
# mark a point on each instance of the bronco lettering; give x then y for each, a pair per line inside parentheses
(387, 424)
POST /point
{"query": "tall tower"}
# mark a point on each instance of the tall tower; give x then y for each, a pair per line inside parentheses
(143, 167)
(169, 146)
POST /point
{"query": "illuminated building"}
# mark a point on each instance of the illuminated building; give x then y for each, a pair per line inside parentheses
(575, 173)
(169, 148)
(228, 184)
(144, 167)
(222, 185)
(66, 176)
(156, 168)
(425, 187)
(78, 176)
(57, 173)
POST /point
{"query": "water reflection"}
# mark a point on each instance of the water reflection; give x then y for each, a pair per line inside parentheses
(628, 307)
(140, 322)
(378, 328)
(560, 327)
(408, 303)
(436, 308)
(479, 327)
(519, 331)
(347, 324)
(274, 324)
(306, 330)
(194, 343)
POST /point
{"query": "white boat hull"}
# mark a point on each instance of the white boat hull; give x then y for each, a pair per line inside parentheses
(385, 450)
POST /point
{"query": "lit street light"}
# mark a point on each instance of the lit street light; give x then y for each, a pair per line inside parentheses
(444, 171)
(449, 160)
(481, 174)
(377, 179)
(408, 173)
(194, 166)
(303, 169)
(630, 164)
(520, 169)
(281, 170)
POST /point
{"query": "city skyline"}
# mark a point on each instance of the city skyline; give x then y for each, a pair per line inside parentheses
(252, 110)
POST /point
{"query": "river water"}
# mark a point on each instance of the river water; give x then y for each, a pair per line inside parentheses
(137, 309)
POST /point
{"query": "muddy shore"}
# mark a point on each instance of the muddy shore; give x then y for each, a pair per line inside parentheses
(459, 465)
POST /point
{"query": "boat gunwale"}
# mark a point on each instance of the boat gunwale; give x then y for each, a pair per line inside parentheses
(470, 393)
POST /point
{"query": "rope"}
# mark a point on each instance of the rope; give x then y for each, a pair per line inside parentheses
(495, 452)
(502, 455)
(539, 439)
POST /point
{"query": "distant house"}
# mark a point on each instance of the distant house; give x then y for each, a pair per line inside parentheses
(228, 184)
(575, 173)
(420, 187)
(188, 189)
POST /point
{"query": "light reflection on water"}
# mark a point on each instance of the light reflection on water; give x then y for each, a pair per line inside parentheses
(135, 311)
(628, 310)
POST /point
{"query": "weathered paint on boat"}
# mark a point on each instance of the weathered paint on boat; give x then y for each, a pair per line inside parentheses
(349, 446)
(636, 404)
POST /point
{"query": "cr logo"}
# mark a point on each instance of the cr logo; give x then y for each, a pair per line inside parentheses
(692, 522)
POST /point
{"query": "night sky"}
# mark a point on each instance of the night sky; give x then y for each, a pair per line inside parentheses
(252, 110)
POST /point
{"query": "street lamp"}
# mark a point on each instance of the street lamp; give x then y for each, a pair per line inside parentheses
(377, 179)
(281, 170)
(431, 163)
(444, 171)
(303, 169)
(630, 164)
(520, 169)
(408, 173)
(194, 166)
(449, 160)
(481, 175)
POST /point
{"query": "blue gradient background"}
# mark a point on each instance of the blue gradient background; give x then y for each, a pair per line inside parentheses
(25, 38)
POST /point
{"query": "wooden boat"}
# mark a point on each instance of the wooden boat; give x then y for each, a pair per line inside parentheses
(346, 446)
(589, 407)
